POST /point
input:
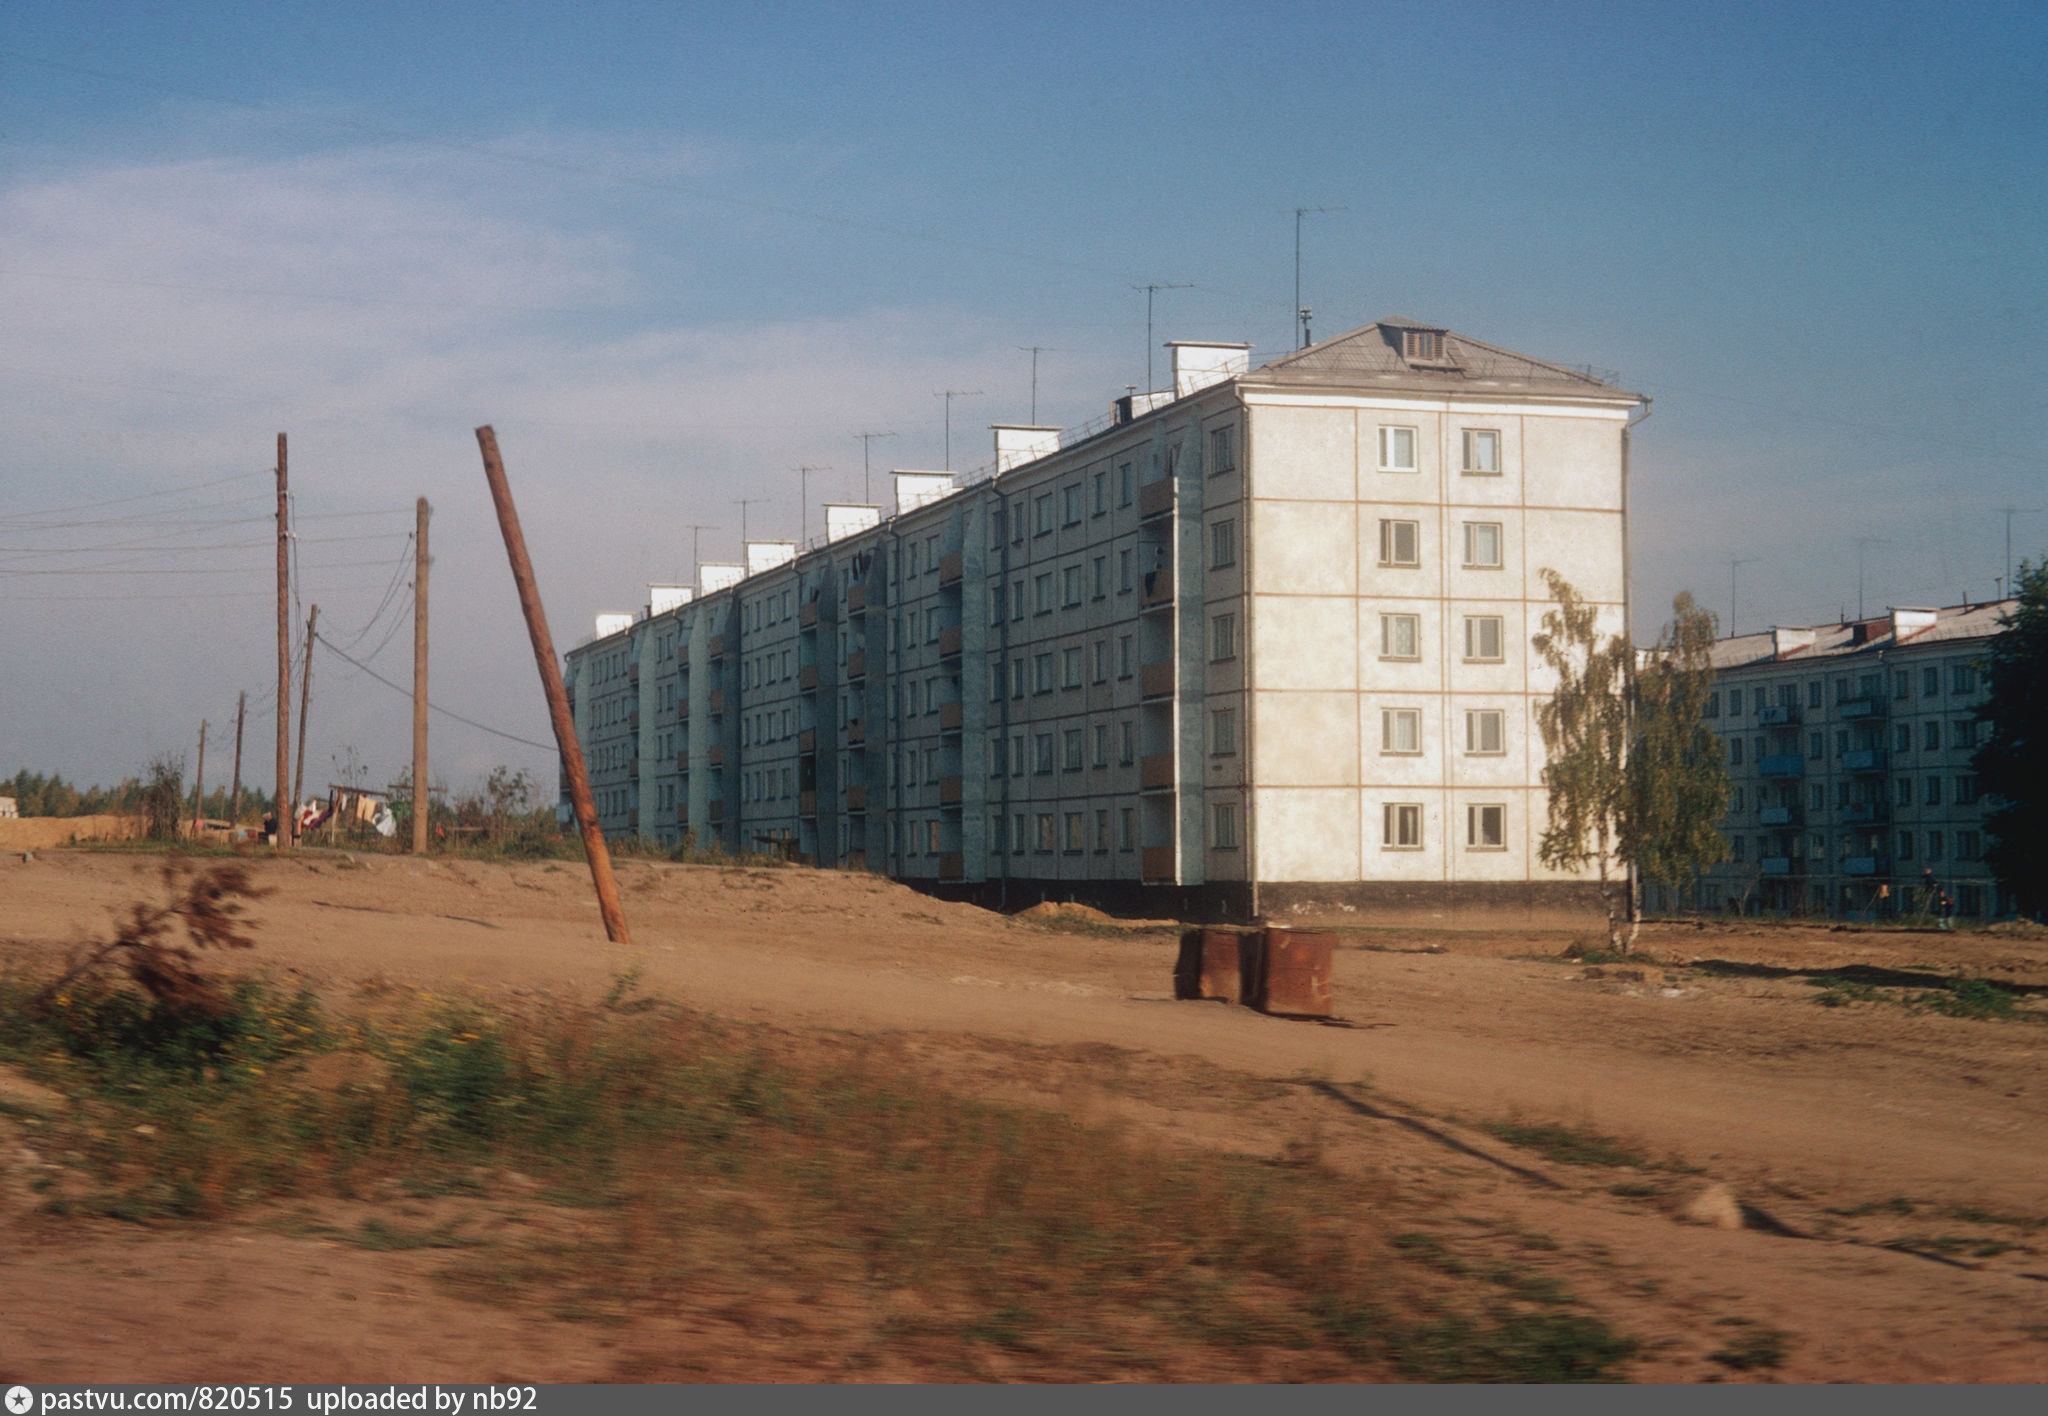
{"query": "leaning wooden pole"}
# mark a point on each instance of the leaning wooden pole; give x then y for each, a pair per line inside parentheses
(305, 706)
(558, 698)
(283, 839)
(422, 799)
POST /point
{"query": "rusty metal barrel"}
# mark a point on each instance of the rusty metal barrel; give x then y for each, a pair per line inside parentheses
(1217, 963)
(1294, 978)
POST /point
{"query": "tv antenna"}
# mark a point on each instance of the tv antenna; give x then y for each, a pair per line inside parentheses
(949, 394)
(1034, 350)
(743, 503)
(1734, 564)
(696, 529)
(867, 441)
(803, 512)
(1301, 311)
(1150, 290)
(1864, 543)
(2010, 513)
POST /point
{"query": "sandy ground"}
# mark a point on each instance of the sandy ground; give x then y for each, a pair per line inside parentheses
(1893, 1161)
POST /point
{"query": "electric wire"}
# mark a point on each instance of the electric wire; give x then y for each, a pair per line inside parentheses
(432, 706)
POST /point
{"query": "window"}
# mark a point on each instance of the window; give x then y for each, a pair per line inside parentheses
(1400, 636)
(1222, 544)
(1222, 638)
(1016, 678)
(1402, 825)
(1073, 749)
(1101, 493)
(1044, 746)
(1020, 839)
(1041, 513)
(1045, 833)
(997, 518)
(1930, 734)
(1071, 584)
(1223, 826)
(1930, 682)
(1127, 829)
(1814, 693)
(1041, 594)
(1102, 744)
(1102, 831)
(1734, 752)
(1482, 638)
(1071, 497)
(1902, 791)
(1127, 745)
(995, 604)
(1077, 833)
(1930, 792)
(1123, 484)
(1486, 827)
(1123, 656)
(1962, 678)
(1222, 450)
(1401, 731)
(1483, 730)
(1397, 449)
(1041, 673)
(1101, 656)
(1902, 684)
(1017, 768)
(1905, 845)
(1966, 790)
(1934, 844)
(1125, 560)
(1223, 732)
(1481, 453)
(1968, 845)
(1070, 666)
(1482, 545)
(1101, 576)
(1400, 543)
(1016, 600)
(1902, 737)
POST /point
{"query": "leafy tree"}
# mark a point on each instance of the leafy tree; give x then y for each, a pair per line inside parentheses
(163, 796)
(2013, 765)
(1634, 776)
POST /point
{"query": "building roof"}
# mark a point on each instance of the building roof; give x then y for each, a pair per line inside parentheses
(1372, 355)
(1850, 638)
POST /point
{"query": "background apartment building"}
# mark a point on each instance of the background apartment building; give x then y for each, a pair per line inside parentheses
(1256, 643)
(1849, 746)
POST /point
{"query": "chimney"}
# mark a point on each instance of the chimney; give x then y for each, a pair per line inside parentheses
(1789, 641)
(914, 489)
(844, 519)
(766, 555)
(612, 622)
(1907, 622)
(713, 576)
(663, 598)
(1019, 443)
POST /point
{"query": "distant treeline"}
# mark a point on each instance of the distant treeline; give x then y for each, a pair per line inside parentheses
(37, 795)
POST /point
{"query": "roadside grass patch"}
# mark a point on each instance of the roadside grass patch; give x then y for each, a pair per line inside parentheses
(1568, 1145)
(682, 1154)
(1753, 1347)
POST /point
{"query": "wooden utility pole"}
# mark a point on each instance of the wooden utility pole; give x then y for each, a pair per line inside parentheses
(551, 682)
(422, 799)
(305, 698)
(235, 795)
(199, 783)
(284, 658)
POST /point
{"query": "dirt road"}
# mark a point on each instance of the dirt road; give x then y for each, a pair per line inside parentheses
(1905, 1145)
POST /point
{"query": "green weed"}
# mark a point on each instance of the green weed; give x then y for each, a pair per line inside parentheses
(1568, 1145)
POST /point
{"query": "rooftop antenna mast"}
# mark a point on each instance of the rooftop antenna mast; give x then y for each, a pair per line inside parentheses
(1864, 543)
(1034, 350)
(866, 442)
(803, 515)
(1734, 564)
(2010, 513)
(743, 503)
(696, 529)
(949, 394)
(1300, 313)
(1150, 290)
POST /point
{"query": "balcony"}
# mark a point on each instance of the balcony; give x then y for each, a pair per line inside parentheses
(1155, 680)
(1155, 772)
(683, 708)
(682, 813)
(807, 740)
(950, 641)
(949, 717)
(807, 678)
(1780, 865)
(633, 721)
(633, 672)
(716, 702)
(1155, 499)
(857, 664)
(806, 803)
(683, 760)
(1866, 811)
(1158, 589)
(856, 733)
(857, 798)
(952, 865)
(949, 570)
(716, 811)
(1781, 716)
(1156, 864)
(1863, 865)
(716, 649)
(1778, 816)
(1781, 764)
(1860, 708)
(716, 757)
(950, 791)
(1863, 759)
(807, 615)
(857, 600)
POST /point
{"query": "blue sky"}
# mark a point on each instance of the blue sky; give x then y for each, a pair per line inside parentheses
(674, 252)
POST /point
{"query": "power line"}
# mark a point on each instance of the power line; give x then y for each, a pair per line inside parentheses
(444, 712)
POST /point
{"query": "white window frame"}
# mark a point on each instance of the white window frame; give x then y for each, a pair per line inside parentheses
(1401, 826)
(1397, 724)
(1390, 543)
(1474, 533)
(1476, 722)
(1223, 834)
(1478, 817)
(1388, 648)
(1475, 639)
(1390, 448)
